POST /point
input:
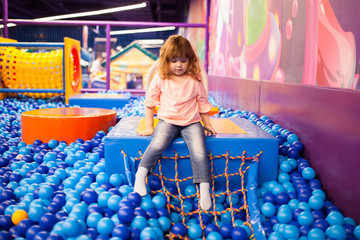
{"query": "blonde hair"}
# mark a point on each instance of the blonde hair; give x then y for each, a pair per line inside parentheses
(178, 46)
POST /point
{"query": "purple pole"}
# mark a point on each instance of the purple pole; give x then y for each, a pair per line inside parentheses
(5, 20)
(104, 23)
(207, 35)
(108, 52)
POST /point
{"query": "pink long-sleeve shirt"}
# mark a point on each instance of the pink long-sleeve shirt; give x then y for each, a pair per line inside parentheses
(180, 104)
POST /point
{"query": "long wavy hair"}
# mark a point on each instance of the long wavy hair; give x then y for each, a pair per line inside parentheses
(178, 46)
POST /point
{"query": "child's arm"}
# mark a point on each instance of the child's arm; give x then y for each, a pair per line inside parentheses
(149, 119)
(205, 117)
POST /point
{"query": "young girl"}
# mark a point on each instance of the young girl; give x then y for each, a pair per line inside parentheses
(183, 101)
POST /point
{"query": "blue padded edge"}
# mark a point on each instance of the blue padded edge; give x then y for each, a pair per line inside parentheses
(255, 215)
(109, 101)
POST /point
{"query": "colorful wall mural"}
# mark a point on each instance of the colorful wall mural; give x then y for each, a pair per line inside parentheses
(302, 42)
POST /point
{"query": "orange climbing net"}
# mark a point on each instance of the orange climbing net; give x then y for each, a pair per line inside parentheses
(228, 193)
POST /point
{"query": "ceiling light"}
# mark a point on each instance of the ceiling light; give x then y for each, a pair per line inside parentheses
(142, 30)
(92, 13)
(149, 41)
(8, 25)
(83, 14)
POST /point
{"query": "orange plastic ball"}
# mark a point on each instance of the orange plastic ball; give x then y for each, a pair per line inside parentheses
(18, 216)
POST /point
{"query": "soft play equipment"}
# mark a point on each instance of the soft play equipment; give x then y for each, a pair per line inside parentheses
(132, 60)
(234, 136)
(241, 155)
(46, 73)
(65, 124)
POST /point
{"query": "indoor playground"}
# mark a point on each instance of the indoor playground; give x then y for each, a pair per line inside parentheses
(282, 77)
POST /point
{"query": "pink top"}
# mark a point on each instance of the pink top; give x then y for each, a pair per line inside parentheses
(180, 104)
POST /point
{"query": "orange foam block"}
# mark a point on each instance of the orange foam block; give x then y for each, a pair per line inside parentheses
(65, 124)
(212, 112)
(221, 125)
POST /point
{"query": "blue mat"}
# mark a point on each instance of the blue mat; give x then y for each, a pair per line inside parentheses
(100, 100)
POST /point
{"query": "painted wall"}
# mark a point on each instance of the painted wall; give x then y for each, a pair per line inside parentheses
(298, 63)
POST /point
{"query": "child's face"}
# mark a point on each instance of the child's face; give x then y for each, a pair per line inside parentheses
(178, 65)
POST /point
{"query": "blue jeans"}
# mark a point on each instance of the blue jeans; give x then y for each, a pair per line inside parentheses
(194, 137)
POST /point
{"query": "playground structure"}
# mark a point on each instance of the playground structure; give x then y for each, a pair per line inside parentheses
(129, 69)
(52, 71)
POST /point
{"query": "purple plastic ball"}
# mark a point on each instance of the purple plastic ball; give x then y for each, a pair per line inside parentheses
(179, 228)
(126, 214)
(211, 228)
(282, 198)
(226, 230)
(121, 231)
(134, 198)
(47, 221)
(89, 196)
(239, 233)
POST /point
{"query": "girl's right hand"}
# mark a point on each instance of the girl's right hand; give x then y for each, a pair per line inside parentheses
(147, 132)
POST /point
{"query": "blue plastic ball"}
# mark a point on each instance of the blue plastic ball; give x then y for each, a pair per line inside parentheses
(190, 190)
(159, 201)
(105, 226)
(337, 232)
(149, 233)
(113, 202)
(93, 219)
(139, 222)
(316, 202)
(305, 218)
(335, 218)
(214, 236)
(71, 227)
(291, 232)
(316, 234)
(284, 216)
(308, 173)
(357, 232)
(286, 166)
(268, 209)
(36, 212)
(292, 138)
(276, 236)
(165, 223)
(195, 231)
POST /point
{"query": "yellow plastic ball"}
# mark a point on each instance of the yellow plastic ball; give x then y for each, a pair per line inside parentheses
(18, 216)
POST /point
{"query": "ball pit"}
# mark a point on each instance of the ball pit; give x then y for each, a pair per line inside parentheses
(59, 190)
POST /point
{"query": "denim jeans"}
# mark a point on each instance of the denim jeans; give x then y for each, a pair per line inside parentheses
(194, 137)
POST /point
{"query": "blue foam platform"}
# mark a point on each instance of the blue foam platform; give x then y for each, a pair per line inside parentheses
(124, 137)
(100, 100)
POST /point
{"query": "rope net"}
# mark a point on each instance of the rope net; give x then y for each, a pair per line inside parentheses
(228, 192)
(20, 69)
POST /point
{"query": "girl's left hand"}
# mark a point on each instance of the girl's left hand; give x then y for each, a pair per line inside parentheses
(209, 131)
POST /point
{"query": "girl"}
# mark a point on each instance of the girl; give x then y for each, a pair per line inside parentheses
(183, 104)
